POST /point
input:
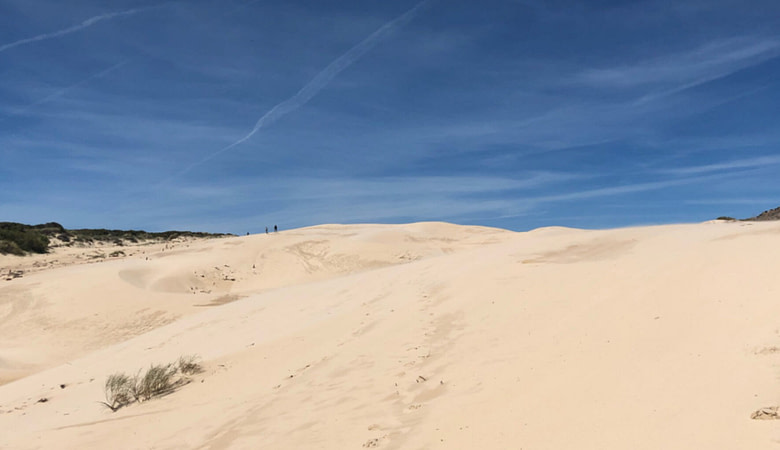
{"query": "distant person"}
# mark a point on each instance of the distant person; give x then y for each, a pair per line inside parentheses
(266, 230)
(275, 229)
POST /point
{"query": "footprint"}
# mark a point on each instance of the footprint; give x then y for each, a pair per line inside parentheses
(770, 413)
(371, 443)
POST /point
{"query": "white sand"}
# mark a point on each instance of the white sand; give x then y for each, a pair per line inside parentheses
(406, 336)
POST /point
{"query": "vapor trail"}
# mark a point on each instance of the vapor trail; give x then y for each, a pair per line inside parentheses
(87, 23)
(322, 79)
(65, 90)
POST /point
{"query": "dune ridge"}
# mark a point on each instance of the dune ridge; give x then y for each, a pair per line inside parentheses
(426, 335)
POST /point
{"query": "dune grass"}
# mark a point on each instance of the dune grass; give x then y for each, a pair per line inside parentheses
(122, 390)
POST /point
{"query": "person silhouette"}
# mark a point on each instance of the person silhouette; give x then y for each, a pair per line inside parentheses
(275, 229)
(266, 230)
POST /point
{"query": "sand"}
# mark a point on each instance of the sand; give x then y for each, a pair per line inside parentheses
(416, 336)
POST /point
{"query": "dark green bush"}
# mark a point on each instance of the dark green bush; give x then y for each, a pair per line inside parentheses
(10, 248)
(25, 237)
(34, 242)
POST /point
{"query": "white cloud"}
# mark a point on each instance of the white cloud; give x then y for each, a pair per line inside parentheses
(748, 163)
(60, 92)
(686, 69)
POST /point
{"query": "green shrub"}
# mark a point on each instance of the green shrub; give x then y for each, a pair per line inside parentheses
(10, 247)
(50, 227)
(25, 237)
(34, 242)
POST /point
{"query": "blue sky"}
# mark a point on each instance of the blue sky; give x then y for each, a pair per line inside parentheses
(234, 115)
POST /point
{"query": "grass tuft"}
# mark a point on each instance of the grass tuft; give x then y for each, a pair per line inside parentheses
(188, 365)
(158, 380)
(119, 391)
(122, 390)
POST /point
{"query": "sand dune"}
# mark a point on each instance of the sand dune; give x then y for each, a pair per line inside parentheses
(406, 336)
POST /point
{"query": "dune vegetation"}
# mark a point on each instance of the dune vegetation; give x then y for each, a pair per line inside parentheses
(21, 239)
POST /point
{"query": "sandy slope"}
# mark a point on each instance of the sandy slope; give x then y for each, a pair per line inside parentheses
(415, 336)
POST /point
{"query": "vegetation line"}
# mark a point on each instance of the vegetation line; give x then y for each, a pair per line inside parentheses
(20, 239)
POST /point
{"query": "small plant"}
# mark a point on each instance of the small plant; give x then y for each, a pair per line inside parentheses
(119, 391)
(122, 390)
(158, 380)
(188, 365)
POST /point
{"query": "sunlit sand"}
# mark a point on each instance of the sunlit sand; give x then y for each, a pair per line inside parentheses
(427, 335)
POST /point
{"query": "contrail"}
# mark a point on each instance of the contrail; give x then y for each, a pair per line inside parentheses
(65, 90)
(87, 23)
(322, 79)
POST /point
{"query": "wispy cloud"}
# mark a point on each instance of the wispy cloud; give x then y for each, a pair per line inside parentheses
(415, 187)
(538, 202)
(685, 70)
(322, 79)
(748, 163)
(59, 93)
(733, 201)
(310, 201)
(619, 190)
(84, 24)
(307, 200)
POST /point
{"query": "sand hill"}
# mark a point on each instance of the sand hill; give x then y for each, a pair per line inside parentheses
(415, 336)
